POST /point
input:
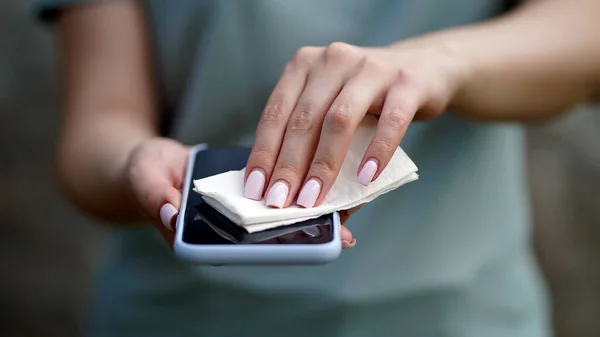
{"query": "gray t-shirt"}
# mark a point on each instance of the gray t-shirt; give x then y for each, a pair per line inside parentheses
(448, 255)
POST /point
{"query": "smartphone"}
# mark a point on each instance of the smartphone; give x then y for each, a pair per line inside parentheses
(205, 236)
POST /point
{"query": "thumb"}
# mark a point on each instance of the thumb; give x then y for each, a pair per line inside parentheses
(162, 207)
(159, 200)
(165, 205)
(153, 175)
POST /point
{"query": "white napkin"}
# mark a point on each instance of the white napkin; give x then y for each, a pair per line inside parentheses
(225, 191)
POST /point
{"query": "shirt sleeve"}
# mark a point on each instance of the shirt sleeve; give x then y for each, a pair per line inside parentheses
(49, 10)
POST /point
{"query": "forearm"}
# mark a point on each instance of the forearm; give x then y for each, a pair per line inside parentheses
(109, 104)
(530, 64)
(91, 162)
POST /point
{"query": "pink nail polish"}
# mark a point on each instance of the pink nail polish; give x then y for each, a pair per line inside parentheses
(278, 194)
(367, 172)
(309, 193)
(255, 185)
(167, 213)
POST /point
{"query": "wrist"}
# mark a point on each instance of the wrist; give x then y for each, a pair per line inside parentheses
(448, 66)
(460, 68)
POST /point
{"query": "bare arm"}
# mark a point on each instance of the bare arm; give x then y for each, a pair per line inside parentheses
(529, 64)
(109, 104)
(532, 63)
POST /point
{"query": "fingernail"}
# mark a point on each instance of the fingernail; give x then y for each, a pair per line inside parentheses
(346, 244)
(167, 214)
(313, 232)
(278, 194)
(255, 185)
(367, 172)
(309, 193)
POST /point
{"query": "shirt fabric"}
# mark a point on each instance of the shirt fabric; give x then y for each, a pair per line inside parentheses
(447, 255)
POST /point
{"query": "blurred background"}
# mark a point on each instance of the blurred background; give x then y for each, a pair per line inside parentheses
(49, 253)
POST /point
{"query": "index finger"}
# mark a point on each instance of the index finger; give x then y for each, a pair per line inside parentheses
(346, 112)
(272, 125)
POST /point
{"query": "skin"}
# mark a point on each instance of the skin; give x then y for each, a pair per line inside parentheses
(482, 72)
(523, 66)
(110, 141)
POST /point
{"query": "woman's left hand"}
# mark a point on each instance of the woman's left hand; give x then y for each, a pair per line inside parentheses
(323, 94)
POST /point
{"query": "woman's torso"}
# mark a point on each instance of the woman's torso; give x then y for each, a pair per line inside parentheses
(447, 255)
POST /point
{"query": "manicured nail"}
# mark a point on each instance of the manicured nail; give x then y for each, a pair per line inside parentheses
(309, 193)
(167, 214)
(278, 194)
(346, 244)
(367, 172)
(255, 185)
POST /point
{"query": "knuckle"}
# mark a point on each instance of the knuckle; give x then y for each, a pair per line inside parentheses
(338, 119)
(273, 114)
(304, 57)
(406, 77)
(303, 119)
(396, 118)
(338, 50)
(261, 156)
(287, 171)
(383, 145)
(290, 67)
(402, 75)
(323, 167)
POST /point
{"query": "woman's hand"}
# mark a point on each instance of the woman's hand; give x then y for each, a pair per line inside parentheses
(323, 94)
(154, 177)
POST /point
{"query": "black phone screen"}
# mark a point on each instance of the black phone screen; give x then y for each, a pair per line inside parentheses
(203, 225)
